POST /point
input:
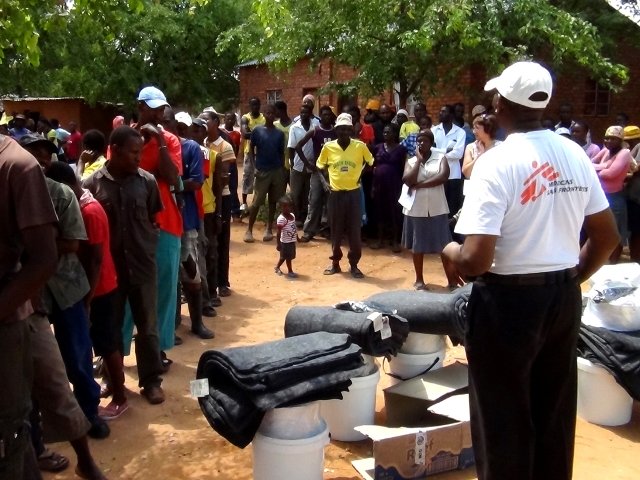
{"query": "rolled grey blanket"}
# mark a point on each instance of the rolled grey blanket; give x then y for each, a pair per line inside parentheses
(429, 312)
(244, 382)
(301, 320)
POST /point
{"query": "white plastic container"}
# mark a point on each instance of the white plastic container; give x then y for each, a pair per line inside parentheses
(422, 343)
(408, 366)
(293, 423)
(600, 399)
(278, 459)
(357, 407)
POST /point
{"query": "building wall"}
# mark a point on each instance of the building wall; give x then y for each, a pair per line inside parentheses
(302, 79)
(66, 110)
(570, 87)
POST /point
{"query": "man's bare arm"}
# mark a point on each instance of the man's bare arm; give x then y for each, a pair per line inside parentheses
(602, 239)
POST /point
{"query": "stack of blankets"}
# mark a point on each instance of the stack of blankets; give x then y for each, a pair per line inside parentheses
(244, 382)
(378, 333)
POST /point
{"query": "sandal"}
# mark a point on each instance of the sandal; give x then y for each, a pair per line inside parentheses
(50, 461)
(113, 410)
(278, 271)
(105, 390)
(166, 362)
(420, 286)
(292, 275)
(333, 269)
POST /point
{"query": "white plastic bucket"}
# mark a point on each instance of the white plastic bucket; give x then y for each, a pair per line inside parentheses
(357, 407)
(278, 459)
(293, 423)
(600, 399)
(421, 343)
(408, 366)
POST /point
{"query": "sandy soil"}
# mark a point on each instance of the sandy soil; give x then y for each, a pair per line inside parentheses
(174, 441)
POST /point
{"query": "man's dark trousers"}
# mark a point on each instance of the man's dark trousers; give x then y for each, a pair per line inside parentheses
(521, 348)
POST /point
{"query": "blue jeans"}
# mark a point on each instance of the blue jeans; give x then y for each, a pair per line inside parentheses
(71, 328)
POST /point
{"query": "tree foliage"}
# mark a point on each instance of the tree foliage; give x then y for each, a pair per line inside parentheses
(109, 50)
(416, 42)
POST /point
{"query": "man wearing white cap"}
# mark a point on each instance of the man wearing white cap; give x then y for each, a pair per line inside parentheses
(344, 159)
(522, 219)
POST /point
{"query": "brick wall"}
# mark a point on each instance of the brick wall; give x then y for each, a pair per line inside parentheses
(66, 110)
(304, 77)
(570, 86)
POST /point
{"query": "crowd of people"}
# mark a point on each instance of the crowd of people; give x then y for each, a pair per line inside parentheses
(119, 232)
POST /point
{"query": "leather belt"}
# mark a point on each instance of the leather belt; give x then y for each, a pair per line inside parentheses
(531, 279)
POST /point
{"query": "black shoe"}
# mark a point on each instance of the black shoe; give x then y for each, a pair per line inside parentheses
(209, 311)
(356, 273)
(203, 332)
(99, 429)
(177, 340)
(216, 301)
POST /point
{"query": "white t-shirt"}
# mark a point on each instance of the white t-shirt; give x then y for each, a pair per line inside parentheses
(296, 133)
(454, 138)
(428, 202)
(532, 191)
(289, 232)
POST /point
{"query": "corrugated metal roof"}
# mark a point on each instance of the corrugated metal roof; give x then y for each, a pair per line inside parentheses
(252, 63)
(15, 98)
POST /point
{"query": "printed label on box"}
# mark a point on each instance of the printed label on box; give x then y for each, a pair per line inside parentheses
(421, 446)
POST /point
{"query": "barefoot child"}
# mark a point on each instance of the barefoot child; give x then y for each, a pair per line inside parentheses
(287, 236)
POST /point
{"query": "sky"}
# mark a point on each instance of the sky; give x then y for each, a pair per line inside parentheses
(627, 10)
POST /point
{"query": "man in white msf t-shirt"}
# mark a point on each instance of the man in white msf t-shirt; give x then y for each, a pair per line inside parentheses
(522, 219)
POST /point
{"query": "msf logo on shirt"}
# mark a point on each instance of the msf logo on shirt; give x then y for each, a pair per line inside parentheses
(534, 185)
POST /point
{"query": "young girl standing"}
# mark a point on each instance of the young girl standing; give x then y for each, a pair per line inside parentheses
(287, 237)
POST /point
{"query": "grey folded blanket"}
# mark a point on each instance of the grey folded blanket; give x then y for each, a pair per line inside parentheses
(302, 320)
(244, 382)
(429, 312)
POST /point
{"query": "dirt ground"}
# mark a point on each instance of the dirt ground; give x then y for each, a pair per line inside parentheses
(174, 441)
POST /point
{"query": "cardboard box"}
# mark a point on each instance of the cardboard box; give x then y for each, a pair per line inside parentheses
(428, 431)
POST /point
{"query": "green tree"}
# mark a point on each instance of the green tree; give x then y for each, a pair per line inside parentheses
(109, 54)
(418, 42)
(23, 21)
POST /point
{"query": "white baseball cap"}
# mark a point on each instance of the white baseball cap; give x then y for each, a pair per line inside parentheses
(184, 117)
(344, 119)
(520, 81)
